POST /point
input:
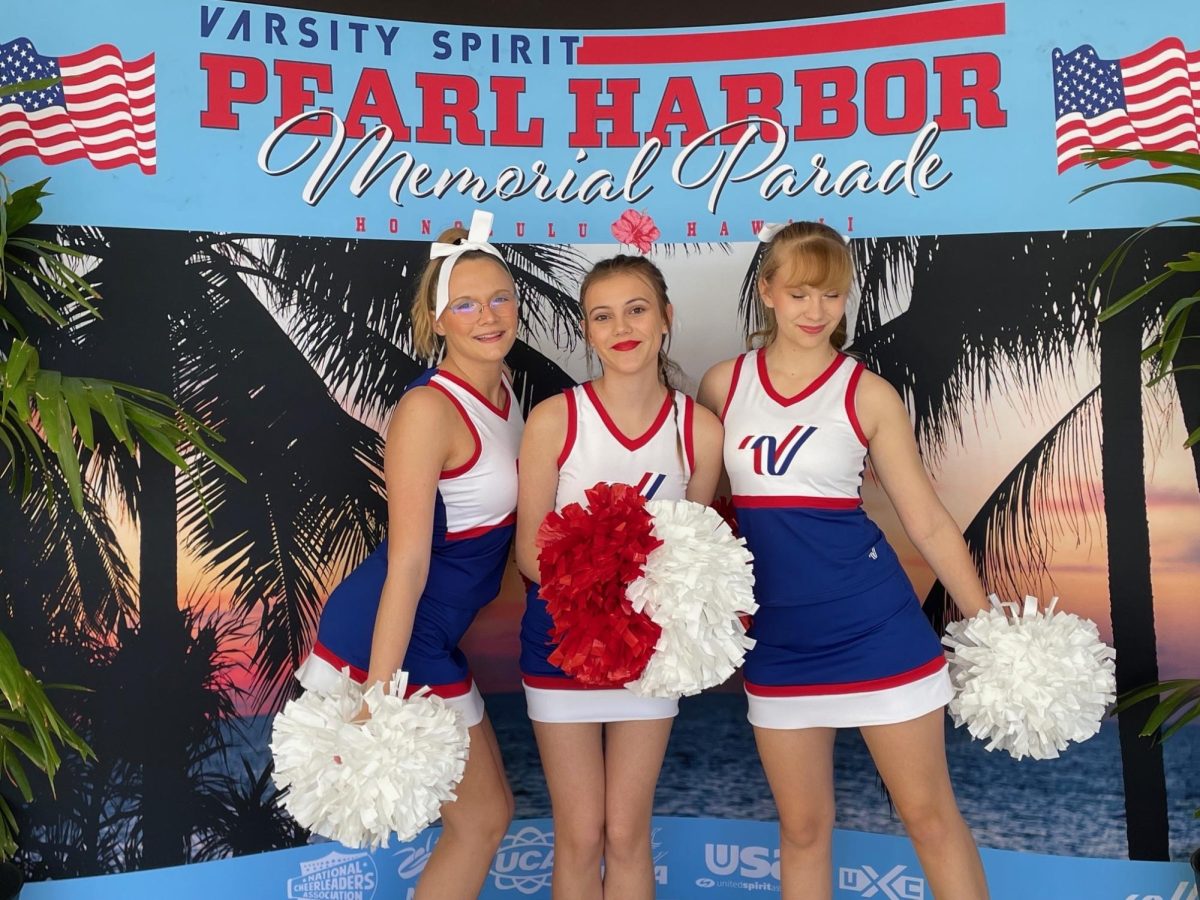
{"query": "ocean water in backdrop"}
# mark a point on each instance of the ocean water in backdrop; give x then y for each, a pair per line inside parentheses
(1070, 806)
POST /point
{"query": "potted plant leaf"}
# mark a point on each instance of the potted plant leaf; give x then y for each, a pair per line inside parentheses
(48, 420)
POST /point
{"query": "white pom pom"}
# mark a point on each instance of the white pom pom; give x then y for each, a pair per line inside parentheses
(359, 783)
(1030, 683)
(694, 586)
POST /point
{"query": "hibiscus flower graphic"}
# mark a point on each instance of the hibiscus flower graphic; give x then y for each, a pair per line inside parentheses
(636, 228)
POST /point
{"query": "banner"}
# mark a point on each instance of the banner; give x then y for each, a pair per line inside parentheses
(951, 118)
(695, 859)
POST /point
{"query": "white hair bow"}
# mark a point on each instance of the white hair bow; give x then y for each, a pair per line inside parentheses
(767, 232)
(476, 239)
(769, 229)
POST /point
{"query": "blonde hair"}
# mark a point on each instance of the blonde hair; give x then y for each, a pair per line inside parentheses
(623, 264)
(427, 344)
(813, 254)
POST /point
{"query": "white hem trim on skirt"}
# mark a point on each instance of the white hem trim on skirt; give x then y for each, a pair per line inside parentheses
(886, 706)
(319, 675)
(576, 705)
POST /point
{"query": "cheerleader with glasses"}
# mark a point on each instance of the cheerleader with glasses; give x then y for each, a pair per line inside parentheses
(451, 471)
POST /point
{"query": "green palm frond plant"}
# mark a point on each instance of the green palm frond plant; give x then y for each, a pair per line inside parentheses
(51, 424)
(1170, 349)
(1172, 353)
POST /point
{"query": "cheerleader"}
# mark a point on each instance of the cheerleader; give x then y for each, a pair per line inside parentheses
(602, 749)
(841, 639)
(451, 473)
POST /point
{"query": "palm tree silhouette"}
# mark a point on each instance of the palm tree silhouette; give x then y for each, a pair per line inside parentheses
(955, 322)
(267, 338)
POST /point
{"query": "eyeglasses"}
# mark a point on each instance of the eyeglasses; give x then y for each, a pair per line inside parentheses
(501, 305)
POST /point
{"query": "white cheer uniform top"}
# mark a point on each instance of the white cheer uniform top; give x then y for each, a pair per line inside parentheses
(480, 494)
(658, 463)
(795, 468)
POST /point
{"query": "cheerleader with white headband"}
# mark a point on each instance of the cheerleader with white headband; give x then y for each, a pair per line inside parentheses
(451, 471)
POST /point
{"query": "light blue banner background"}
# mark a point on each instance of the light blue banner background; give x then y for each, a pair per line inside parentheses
(1002, 178)
(707, 859)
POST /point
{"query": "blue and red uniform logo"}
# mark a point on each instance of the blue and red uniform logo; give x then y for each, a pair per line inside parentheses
(650, 484)
(777, 454)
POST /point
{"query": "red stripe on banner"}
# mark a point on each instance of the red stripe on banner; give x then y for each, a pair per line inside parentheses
(983, 20)
(1144, 56)
(849, 687)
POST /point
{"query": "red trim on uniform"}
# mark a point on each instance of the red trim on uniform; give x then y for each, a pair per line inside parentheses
(445, 691)
(848, 687)
(851, 410)
(320, 651)
(465, 467)
(737, 371)
(572, 426)
(502, 412)
(480, 529)
(761, 501)
(689, 437)
(555, 683)
(627, 442)
(812, 388)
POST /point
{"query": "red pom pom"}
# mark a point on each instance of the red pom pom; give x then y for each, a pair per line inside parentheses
(587, 559)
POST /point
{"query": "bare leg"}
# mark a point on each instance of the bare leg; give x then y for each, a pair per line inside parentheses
(799, 767)
(472, 826)
(911, 757)
(573, 760)
(633, 755)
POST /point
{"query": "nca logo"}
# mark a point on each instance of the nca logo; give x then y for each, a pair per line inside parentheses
(749, 862)
(524, 861)
(892, 885)
(650, 484)
(776, 454)
(1185, 891)
(348, 876)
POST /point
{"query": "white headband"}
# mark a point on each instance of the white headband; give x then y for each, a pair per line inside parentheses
(767, 232)
(476, 239)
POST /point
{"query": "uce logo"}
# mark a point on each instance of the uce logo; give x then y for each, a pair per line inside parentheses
(893, 884)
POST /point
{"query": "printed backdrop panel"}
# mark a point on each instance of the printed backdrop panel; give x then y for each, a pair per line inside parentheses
(704, 859)
(253, 189)
(955, 117)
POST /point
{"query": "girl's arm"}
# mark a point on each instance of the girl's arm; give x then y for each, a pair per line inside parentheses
(885, 423)
(537, 485)
(714, 391)
(421, 439)
(714, 386)
(707, 438)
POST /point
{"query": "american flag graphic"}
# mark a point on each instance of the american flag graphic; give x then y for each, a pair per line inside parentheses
(102, 110)
(1147, 101)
